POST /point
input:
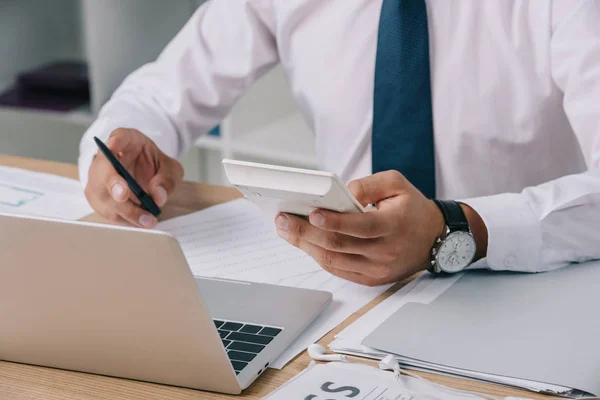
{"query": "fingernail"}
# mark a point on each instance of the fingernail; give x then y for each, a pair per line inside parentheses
(282, 222)
(146, 220)
(117, 191)
(161, 195)
(282, 234)
(110, 141)
(317, 219)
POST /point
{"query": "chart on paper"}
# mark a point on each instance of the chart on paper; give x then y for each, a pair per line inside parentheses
(36, 194)
(13, 196)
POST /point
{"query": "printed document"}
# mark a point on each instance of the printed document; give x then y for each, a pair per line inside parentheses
(338, 381)
(24, 192)
(237, 241)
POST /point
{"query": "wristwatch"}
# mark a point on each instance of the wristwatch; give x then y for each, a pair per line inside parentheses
(455, 249)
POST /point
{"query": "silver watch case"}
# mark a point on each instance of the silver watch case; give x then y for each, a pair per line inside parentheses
(440, 241)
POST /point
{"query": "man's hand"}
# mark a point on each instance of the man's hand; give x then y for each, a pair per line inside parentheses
(373, 248)
(156, 173)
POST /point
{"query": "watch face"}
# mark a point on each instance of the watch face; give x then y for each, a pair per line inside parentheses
(457, 252)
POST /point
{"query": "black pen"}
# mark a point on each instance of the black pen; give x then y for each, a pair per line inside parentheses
(147, 203)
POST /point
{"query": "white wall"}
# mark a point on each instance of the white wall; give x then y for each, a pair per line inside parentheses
(122, 35)
(33, 32)
(113, 36)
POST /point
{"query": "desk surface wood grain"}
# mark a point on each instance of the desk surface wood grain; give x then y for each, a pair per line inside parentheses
(26, 382)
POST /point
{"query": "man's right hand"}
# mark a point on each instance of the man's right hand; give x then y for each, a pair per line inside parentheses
(157, 173)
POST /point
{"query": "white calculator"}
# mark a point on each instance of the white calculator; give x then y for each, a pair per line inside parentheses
(291, 190)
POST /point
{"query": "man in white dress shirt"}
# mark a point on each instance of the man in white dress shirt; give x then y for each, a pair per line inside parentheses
(512, 96)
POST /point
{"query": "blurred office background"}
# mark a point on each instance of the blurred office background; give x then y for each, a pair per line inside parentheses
(60, 61)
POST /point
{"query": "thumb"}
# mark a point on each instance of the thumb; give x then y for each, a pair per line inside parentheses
(126, 144)
(380, 186)
(163, 184)
(120, 140)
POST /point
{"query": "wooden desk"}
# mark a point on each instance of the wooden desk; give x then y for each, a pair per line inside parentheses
(24, 382)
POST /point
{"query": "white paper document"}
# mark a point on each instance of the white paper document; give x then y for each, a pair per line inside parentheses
(24, 192)
(337, 381)
(237, 241)
(422, 290)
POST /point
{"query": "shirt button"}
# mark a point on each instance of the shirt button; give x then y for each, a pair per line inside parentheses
(510, 261)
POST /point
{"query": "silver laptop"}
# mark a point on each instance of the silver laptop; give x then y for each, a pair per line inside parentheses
(123, 302)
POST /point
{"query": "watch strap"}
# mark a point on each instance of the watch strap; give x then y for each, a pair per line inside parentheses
(453, 215)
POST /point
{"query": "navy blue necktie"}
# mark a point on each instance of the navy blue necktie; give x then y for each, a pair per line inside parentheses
(402, 116)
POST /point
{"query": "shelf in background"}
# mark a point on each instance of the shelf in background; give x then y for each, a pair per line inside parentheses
(81, 116)
(287, 140)
(4, 86)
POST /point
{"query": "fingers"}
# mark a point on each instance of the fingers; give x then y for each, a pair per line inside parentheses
(135, 215)
(377, 187)
(107, 177)
(124, 212)
(296, 230)
(293, 229)
(113, 182)
(345, 266)
(104, 175)
(105, 183)
(109, 194)
(362, 225)
(163, 184)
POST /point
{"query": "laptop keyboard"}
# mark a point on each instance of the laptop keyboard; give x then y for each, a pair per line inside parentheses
(244, 341)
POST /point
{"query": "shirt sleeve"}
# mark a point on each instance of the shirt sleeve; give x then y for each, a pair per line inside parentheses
(218, 54)
(551, 225)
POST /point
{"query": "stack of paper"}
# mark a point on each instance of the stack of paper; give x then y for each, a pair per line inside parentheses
(237, 241)
(344, 380)
(422, 290)
(24, 192)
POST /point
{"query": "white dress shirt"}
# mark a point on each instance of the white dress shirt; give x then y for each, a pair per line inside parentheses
(516, 104)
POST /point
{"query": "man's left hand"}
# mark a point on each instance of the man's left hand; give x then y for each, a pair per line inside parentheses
(381, 246)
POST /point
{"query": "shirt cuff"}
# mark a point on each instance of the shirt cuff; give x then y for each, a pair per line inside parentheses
(88, 149)
(84, 164)
(514, 232)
